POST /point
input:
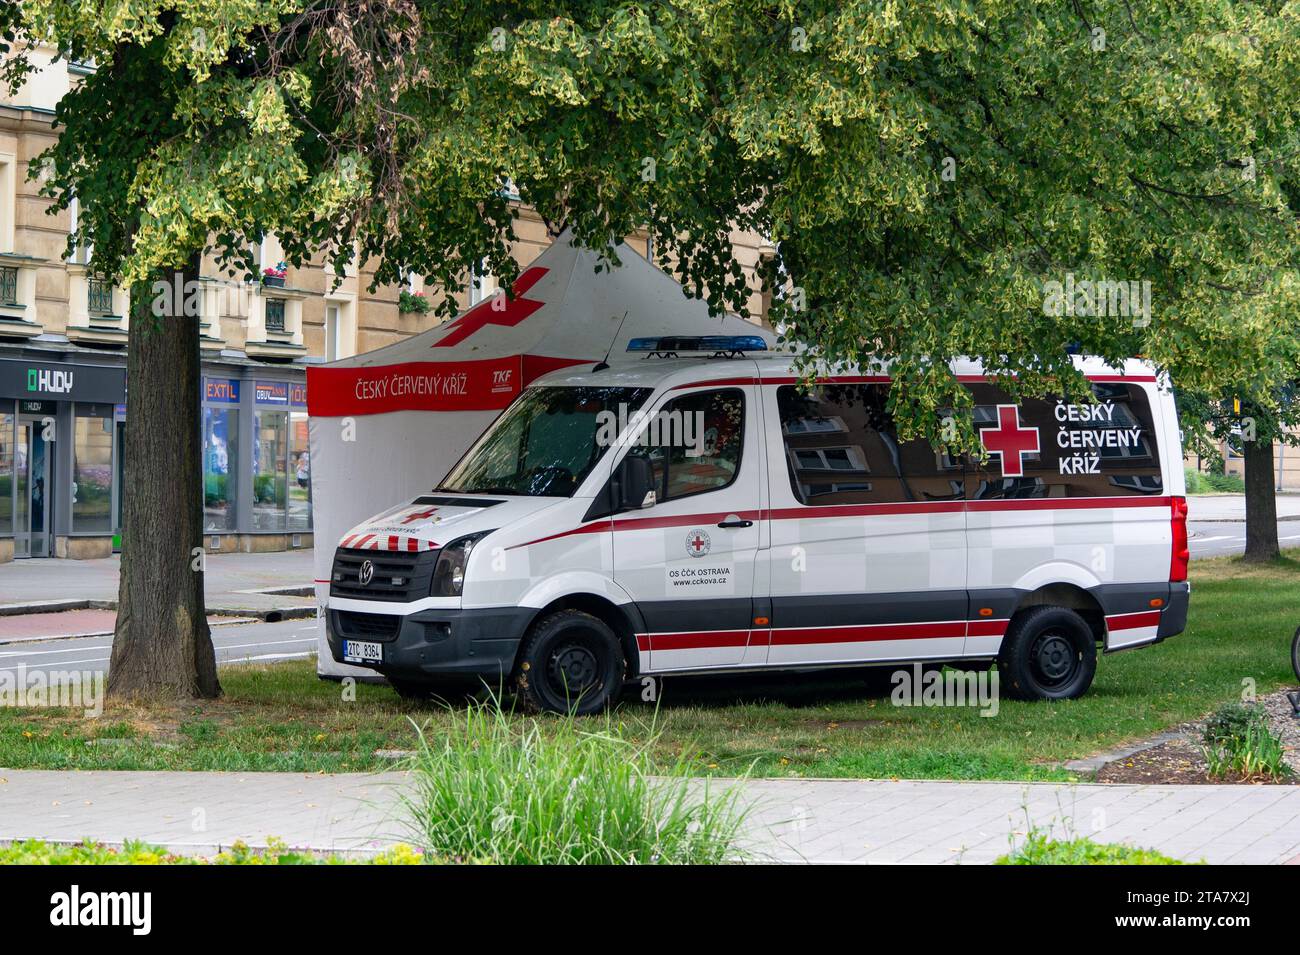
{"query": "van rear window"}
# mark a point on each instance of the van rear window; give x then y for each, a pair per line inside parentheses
(841, 447)
(1106, 449)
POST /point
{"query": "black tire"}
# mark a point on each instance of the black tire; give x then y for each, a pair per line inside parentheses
(570, 662)
(1295, 653)
(1049, 653)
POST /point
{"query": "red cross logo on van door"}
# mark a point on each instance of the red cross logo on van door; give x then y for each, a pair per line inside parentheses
(1010, 441)
(497, 310)
(419, 516)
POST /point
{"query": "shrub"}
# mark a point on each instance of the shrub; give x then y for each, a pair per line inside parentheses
(1040, 849)
(499, 792)
(40, 852)
(412, 302)
(1205, 482)
(1238, 742)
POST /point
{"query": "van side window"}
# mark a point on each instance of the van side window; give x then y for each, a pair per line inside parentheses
(694, 442)
(841, 447)
(1106, 449)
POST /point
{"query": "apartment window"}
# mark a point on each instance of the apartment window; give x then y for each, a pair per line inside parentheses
(8, 285)
(99, 295)
(332, 332)
(483, 285)
(8, 201)
(275, 316)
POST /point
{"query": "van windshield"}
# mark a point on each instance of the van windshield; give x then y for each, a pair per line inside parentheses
(545, 443)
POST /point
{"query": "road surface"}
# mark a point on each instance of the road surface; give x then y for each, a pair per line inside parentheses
(234, 643)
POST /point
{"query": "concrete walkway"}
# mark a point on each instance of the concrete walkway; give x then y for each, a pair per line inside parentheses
(825, 821)
(233, 583)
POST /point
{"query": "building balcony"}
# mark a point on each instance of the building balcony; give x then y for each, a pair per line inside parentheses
(97, 309)
(18, 296)
(275, 324)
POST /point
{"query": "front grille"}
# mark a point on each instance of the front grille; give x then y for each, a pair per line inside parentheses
(398, 576)
(366, 626)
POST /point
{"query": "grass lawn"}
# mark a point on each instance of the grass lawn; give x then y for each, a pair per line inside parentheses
(280, 717)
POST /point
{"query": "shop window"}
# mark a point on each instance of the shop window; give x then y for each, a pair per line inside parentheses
(92, 478)
(6, 472)
(299, 473)
(270, 477)
(220, 467)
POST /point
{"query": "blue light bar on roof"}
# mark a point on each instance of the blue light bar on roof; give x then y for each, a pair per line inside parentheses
(707, 343)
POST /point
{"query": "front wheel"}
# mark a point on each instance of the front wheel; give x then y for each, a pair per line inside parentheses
(571, 662)
(1049, 653)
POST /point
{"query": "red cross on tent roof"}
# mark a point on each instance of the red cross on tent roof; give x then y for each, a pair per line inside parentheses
(497, 310)
(1010, 441)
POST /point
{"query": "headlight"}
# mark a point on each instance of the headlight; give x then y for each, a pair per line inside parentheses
(449, 572)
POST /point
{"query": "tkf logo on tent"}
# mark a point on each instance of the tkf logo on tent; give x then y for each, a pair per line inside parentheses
(49, 379)
(75, 907)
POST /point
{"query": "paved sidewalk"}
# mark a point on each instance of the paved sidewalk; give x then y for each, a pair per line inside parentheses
(231, 581)
(1232, 507)
(828, 821)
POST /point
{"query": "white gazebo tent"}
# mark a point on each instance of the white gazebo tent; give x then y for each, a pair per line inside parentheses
(389, 424)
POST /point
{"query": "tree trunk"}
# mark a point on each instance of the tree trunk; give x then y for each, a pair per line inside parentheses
(161, 645)
(1261, 501)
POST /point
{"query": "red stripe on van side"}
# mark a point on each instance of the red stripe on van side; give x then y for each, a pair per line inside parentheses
(986, 628)
(1066, 503)
(1132, 621)
(859, 510)
(701, 640)
(800, 636)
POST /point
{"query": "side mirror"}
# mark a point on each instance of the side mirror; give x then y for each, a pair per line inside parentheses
(636, 483)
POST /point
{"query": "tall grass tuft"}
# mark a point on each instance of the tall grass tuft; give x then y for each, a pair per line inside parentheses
(553, 792)
(1238, 741)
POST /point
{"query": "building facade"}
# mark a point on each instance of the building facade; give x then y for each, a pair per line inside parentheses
(63, 335)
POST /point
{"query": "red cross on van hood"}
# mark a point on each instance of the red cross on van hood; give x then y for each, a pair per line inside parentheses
(432, 520)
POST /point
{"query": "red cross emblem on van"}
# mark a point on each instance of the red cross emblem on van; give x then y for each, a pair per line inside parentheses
(419, 515)
(1009, 441)
(698, 543)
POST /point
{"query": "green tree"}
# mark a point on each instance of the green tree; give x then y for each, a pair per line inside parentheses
(926, 173)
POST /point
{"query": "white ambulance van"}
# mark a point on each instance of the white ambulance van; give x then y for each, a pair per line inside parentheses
(697, 510)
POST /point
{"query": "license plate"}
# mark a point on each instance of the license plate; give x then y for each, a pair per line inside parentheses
(358, 651)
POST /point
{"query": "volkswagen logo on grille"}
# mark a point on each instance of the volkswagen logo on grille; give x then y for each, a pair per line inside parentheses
(366, 573)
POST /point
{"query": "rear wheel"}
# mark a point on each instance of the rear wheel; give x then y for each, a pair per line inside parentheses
(1049, 653)
(571, 662)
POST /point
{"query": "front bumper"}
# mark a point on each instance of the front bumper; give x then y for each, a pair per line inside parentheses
(437, 642)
